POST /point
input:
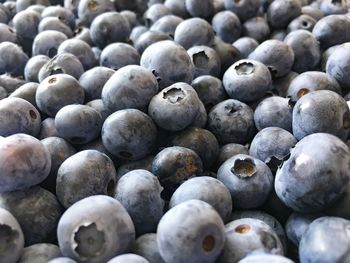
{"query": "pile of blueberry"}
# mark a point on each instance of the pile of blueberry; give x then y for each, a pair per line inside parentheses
(174, 131)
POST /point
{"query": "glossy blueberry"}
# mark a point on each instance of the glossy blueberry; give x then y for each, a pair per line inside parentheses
(108, 28)
(272, 145)
(281, 12)
(39, 253)
(207, 189)
(169, 61)
(194, 32)
(167, 24)
(89, 9)
(321, 111)
(247, 80)
(305, 22)
(315, 175)
(325, 240)
(57, 91)
(93, 80)
(148, 38)
(231, 121)
(40, 221)
(47, 129)
(147, 247)
(85, 233)
(257, 28)
(62, 260)
(244, 9)
(265, 258)
(276, 55)
(227, 26)
(273, 111)
(65, 63)
(130, 87)
(118, 55)
(200, 8)
(12, 237)
(54, 23)
(195, 225)
(7, 33)
(130, 258)
(33, 67)
(248, 179)
(12, 59)
(245, 45)
(129, 134)
(248, 235)
(139, 192)
(27, 92)
(155, 12)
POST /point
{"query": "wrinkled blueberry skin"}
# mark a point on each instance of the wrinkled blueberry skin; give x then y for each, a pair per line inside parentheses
(18, 116)
(169, 61)
(40, 221)
(193, 224)
(174, 165)
(139, 192)
(265, 258)
(147, 247)
(79, 124)
(57, 91)
(65, 63)
(306, 50)
(247, 80)
(297, 224)
(130, 258)
(129, 134)
(167, 24)
(210, 90)
(85, 220)
(321, 111)
(202, 141)
(248, 179)
(27, 92)
(325, 240)
(62, 260)
(248, 235)
(47, 42)
(315, 175)
(194, 32)
(47, 129)
(311, 81)
(273, 111)
(303, 21)
(332, 30)
(228, 150)
(231, 121)
(88, 10)
(244, 9)
(59, 150)
(227, 26)
(24, 161)
(245, 45)
(14, 243)
(257, 28)
(93, 80)
(175, 107)
(118, 55)
(12, 59)
(40, 253)
(207, 189)
(281, 12)
(129, 87)
(265, 148)
(205, 60)
(276, 55)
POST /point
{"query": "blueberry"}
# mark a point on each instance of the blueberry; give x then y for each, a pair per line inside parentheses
(311, 81)
(93, 80)
(194, 32)
(108, 28)
(27, 92)
(40, 221)
(169, 61)
(244, 9)
(85, 233)
(129, 258)
(314, 12)
(329, 7)
(281, 85)
(231, 121)
(24, 4)
(139, 192)
(200, 121)
(339, 208)
(175, 107)
(7, 34)
(200, 8)
(136, 32)
(167, 24)
(278, 34)
(89, 9)
(57, 91)
(245, 45)
(131, 16)
(247, 80)
(47, 129)
(83, 33)
(64, 14)
(227, 26)
(129, 134)
(144, 164)
(281, 12)
(79, 124)
(47, 43)
(305, 22)
(39, 253)
(326, 54)
(306, 189)
(248, 179)
(33, 66)
(11, 83)
(26, 24)
(321, 111)
(155, 12)
(257, 28)
(100, 108)
(147, 247)
(325, 240)
(194, 225)
(12, 59)
(228, 150)
(207, 189)
(3, 93)
(12, 235)
(148, 38)
(118, 55)
(265, 258)
(276, 55)
(55, 24)
(59, 150)
(248, 235)
(61, 260)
